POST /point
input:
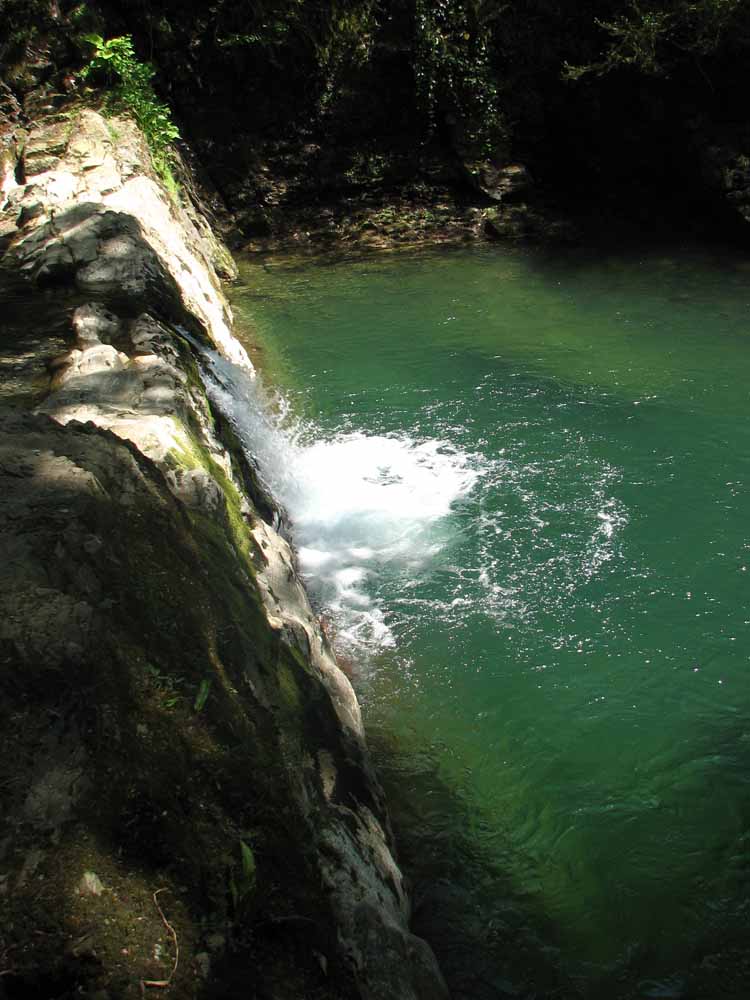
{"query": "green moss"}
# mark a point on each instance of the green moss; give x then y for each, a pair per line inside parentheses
(288, 688)
(194, 455)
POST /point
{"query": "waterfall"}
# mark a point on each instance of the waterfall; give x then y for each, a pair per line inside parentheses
(361, 506)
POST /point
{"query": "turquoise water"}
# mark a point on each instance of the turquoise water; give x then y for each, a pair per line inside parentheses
(520, 491)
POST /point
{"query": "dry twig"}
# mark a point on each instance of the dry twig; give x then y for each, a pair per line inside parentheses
(163, 983)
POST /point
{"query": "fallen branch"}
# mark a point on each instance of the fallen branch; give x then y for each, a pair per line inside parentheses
(163, 983)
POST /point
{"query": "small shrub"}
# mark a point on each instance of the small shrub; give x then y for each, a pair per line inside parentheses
(653, 38)
(133, 92)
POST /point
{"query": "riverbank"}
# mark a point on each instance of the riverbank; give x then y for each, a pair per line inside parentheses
(399, 223)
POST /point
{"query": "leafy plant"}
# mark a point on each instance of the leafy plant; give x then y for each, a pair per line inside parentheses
(322, 38)
(164, 685)
(201, 697)
(133, 92)
(242, 886)
(79, 13)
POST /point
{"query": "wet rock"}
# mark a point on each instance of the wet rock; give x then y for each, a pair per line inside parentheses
(196, 488)
(386, 953)
(508, 223)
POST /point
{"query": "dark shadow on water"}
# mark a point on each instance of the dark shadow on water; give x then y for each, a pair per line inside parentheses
(490, 937)
(464, 903)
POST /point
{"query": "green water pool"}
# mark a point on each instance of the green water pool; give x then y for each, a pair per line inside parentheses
(521, 487)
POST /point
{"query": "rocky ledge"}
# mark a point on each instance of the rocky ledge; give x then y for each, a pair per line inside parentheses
(186, 798)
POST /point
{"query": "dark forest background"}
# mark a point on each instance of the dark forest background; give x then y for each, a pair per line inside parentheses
(607, 103)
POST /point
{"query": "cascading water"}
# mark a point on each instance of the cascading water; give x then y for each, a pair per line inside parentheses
(361, 506)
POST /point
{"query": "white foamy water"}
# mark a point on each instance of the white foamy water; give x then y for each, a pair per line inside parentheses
(361, 506)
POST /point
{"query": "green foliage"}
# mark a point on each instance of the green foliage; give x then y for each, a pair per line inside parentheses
(165, 686)
(653, 39)
(453, 69)
(323, 36)
(242, 880)
(79, 14)
(204, 689)
(636, 38)
(133, 92)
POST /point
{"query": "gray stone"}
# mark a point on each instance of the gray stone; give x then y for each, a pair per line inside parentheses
(123, 269)
(390, 962)
(93, 323)
(196, 488)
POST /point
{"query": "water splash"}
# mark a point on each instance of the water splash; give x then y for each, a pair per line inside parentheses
(362, 507)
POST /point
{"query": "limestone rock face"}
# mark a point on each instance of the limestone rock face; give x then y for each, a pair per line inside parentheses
(168, 703)
(90, 205)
